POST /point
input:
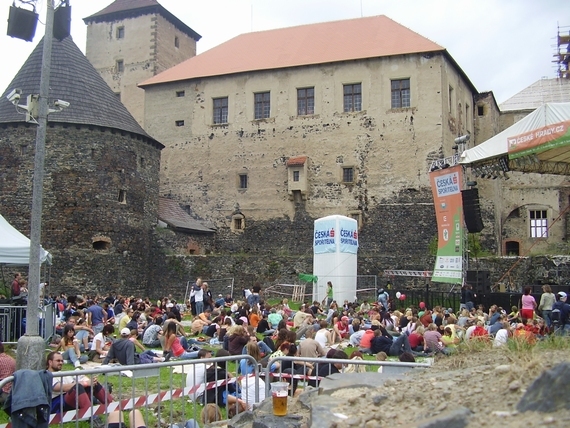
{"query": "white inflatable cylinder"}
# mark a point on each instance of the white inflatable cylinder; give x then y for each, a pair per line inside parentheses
(335, 248)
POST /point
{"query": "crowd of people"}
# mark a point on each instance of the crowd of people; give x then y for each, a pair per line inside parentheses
(129, 330)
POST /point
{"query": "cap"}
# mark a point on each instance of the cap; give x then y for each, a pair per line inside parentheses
(422, 305)
(345, 318)
(562, 294)
(125, 332)
(450, 310)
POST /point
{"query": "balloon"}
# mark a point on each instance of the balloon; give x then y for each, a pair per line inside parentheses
(402, 297)
(398, 294)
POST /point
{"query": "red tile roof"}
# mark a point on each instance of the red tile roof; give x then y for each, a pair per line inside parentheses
(376, 36)
(297, 161)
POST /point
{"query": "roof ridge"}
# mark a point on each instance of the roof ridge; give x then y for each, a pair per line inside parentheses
(307, 44)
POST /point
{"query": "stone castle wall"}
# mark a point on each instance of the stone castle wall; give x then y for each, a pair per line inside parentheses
(99, 206)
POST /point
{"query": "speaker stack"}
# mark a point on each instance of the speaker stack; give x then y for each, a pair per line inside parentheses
(480, 280)
(472, 210)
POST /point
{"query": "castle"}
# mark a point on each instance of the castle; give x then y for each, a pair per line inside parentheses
(271, 130)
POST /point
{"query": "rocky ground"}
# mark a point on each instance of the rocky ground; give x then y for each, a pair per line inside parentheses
(488, 382)
(479, 388)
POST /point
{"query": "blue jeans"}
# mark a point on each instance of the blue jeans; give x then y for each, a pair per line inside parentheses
(199, 307)
(188, 355)
(262, 347)
(399, 345)
(546, 316)
(69, 354)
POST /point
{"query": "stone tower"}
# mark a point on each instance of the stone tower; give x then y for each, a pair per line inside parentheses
(130, 41)
(101, 177)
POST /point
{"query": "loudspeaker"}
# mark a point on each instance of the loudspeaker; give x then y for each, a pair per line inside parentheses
(472, 210)
(22, 23)
(62, 22)
(480, 280)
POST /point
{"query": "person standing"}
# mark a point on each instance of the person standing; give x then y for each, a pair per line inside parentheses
(547, 300)
(254, 298)
(16, 285)
(528, 304)
(198, 296)
(329, 294)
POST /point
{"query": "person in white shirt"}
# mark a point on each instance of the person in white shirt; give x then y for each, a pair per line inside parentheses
(196, 376)
(502, 336)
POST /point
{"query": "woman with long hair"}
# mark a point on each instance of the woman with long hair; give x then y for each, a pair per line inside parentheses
(70, 347)
(547, 300)
(173, 347)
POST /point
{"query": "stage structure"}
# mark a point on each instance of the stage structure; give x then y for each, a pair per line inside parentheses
(335, 248)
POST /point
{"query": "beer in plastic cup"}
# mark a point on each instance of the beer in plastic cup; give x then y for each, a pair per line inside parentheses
(279, 394)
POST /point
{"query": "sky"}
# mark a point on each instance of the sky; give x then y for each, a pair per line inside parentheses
(502, 45)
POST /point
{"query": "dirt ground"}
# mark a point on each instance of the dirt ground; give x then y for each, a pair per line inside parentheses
(489, 382)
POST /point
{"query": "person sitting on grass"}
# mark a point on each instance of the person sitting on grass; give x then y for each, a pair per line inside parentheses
(71, 392)
(123, 351)
(225, 395)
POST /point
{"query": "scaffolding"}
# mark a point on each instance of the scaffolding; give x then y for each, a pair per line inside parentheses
(562, 55)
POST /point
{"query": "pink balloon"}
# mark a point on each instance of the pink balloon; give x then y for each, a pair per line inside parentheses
(402, 297)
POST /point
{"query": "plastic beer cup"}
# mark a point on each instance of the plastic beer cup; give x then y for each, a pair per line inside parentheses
(279, 395)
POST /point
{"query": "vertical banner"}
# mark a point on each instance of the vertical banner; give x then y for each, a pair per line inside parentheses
(348, 236)
(446, 188)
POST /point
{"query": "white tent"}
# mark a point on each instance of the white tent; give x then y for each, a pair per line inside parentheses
(543, 135)
(15, 247)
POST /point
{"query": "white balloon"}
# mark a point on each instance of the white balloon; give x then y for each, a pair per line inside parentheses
(398, 294)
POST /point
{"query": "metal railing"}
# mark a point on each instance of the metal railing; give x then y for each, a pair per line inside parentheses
(173, 392)
(13, 322)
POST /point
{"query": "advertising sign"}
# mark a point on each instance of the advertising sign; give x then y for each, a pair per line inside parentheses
(539, 140)
(446, 188)
(348, 236)
(324, 237)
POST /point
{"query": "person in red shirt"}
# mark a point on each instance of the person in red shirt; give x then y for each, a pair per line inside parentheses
(480, 331)
(340, 329)
(416, 339)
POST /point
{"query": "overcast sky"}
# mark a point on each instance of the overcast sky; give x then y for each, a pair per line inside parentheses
(502, 45)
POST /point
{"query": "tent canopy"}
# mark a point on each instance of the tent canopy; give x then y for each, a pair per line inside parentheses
(15, 247)
(540, 142)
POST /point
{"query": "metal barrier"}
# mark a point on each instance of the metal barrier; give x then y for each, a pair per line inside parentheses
(162, 394)
(157, 390)
(388, 368)
(13, 322)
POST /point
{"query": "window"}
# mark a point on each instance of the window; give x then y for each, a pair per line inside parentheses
(176, 42)
(220, 110)
(23, 149)
(348, 175)
(238, 223)
(512, 248)
(179, 123)
(401, 93)
(180, 94)
(305, 101)
(480, 110)
(120, 66)
(352, 97)
(122, 199)
(120, 32)
(242, 181)
(451, 101)
(262, 105)
(538, 224)
(296, 175)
